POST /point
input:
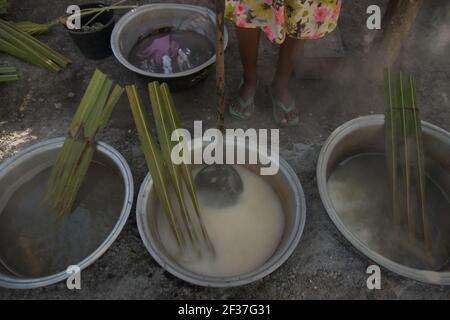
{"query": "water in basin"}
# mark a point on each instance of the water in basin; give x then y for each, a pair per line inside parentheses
(244, 236)
(34, 243)
(358, 189)
(168, 51)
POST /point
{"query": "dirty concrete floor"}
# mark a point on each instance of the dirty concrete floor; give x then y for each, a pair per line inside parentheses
(324, 265)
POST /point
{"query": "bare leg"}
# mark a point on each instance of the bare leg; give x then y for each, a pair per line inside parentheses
(248, 48)
(288, 53)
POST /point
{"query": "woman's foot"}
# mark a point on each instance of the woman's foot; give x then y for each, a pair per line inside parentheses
(284, 108)
(244, 105)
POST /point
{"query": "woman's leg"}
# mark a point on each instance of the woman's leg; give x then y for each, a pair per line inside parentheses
(289, 52)
(248, 47)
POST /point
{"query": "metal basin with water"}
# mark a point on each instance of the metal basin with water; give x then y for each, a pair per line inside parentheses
(289, 190)
(352, 181)
(140, 22)
(36, 248)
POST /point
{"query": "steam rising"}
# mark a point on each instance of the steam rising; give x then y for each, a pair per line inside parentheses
(440, 33)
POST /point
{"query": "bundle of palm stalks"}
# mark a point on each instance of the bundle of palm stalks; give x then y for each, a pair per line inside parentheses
(25, 47)
(76, 154)
(186, 223)
(405, 156)
(8, 74)
(16, 38)
(32, 28)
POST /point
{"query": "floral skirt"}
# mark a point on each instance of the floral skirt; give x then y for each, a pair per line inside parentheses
(300, 19)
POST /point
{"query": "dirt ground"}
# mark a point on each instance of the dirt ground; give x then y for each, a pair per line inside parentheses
(324, 265)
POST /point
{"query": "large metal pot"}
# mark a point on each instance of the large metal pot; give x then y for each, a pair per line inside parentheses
(88, 237)
(141, 21)
(365, 135)
(288, 188)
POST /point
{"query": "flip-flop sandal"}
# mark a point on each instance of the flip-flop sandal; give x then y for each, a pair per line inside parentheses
(280, 108)
(246, 107)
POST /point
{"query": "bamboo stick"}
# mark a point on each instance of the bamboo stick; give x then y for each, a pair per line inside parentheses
(220, 63)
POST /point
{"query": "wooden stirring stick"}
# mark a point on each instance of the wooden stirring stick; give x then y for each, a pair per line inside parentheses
(220, 63)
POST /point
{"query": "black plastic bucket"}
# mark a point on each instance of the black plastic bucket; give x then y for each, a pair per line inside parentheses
(95, 44)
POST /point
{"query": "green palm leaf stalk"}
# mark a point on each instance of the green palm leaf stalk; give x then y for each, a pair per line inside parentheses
(186, 170)
(32, 28)
(17, 43)
(187, 226)
(164, 137)
(8, 74)
(405, 156)
(26, 26)
(154, 159)
(78, 149)
(16, 38)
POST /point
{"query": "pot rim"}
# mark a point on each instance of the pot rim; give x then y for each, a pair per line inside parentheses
(425, 276)
(119, 160)
(125, 19)
(279, 258)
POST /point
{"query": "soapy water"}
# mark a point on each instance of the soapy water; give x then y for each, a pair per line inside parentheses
(358, 189)
(169, 51)
(244, 236)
